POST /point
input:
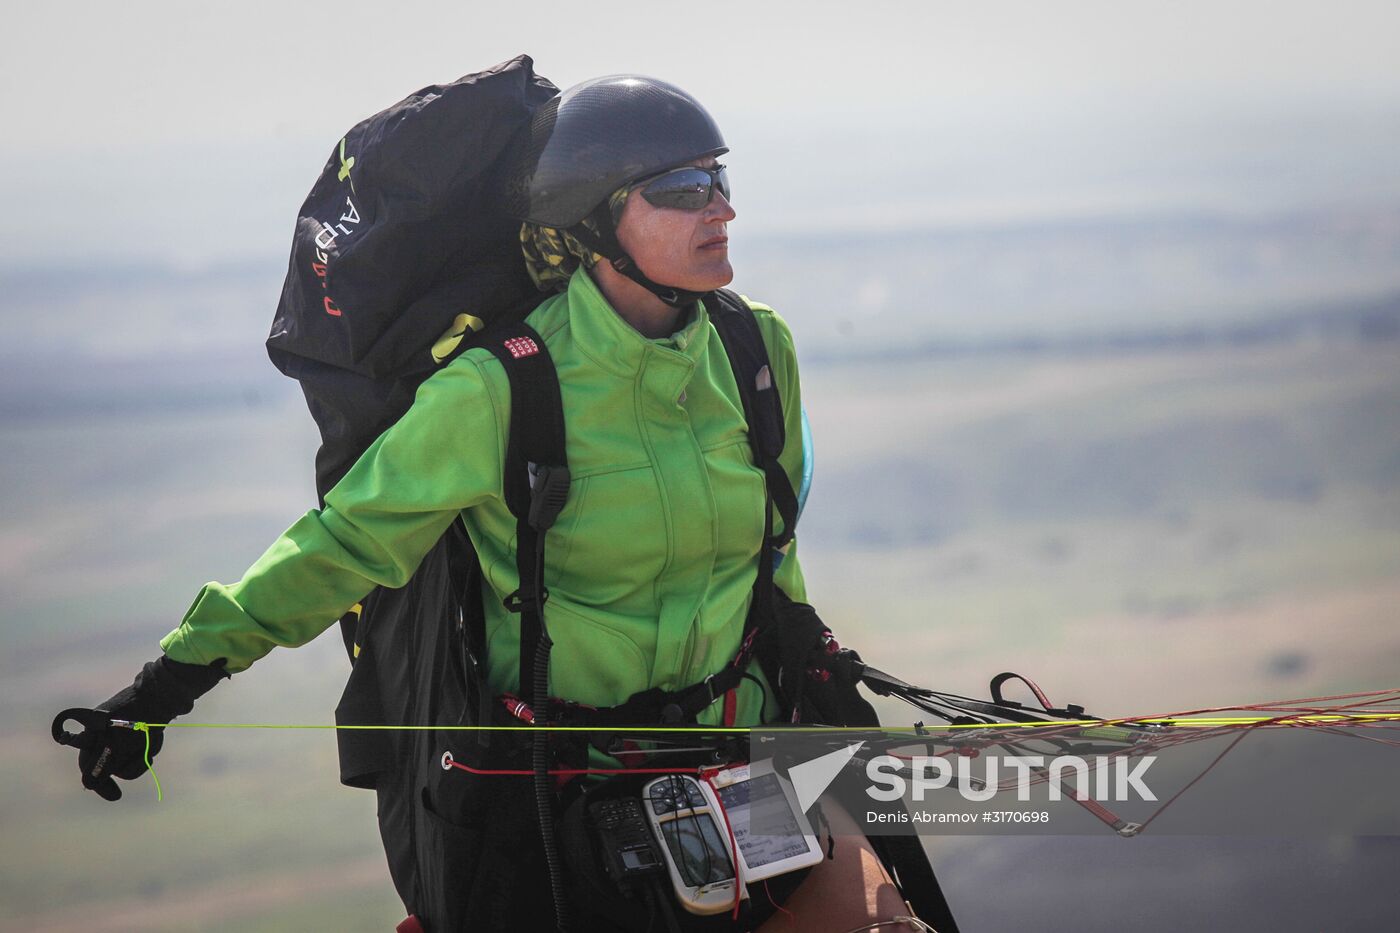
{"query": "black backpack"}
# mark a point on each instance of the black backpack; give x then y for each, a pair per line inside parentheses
(403, 230)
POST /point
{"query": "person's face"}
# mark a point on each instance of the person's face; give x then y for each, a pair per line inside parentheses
(684, 249)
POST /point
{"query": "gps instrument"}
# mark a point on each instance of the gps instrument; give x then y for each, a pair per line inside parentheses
(773, 836)
(686, 818)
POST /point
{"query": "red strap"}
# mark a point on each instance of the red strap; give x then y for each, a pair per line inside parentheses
(409, 924)
(731, 708)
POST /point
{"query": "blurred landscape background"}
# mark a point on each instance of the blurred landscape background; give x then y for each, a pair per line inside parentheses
(1098, 311)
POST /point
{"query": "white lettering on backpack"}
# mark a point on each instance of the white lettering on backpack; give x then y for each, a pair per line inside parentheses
(325, 240)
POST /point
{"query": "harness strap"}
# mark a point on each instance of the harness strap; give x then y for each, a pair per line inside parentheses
(536, 480)
(536, 486)
(738, 330)
(763, 408)
(647, 707)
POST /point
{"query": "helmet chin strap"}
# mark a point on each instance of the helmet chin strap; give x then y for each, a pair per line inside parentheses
(604, 242)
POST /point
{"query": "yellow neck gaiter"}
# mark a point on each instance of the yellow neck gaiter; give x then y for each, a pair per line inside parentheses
(552, 255)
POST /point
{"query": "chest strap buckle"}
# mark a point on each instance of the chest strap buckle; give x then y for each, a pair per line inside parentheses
(549, 490)
(519, 601)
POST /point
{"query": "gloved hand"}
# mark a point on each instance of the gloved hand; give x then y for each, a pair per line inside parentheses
(163, 690)
(799, 657)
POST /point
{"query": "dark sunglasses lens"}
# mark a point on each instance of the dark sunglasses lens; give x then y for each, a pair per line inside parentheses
(687, 189)
(722, 183)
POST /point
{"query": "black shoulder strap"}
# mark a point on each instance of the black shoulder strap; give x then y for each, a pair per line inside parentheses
(748, 357)
(536, 485)
(763, 409)
(536, 480)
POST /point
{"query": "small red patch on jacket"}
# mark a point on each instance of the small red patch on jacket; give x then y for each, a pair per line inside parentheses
(522, 346)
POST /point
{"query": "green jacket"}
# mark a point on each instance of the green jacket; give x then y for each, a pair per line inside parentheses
(649, 567)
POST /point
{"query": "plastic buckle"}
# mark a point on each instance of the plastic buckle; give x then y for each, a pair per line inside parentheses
(549, 490)
(518, 603)
(710, 686)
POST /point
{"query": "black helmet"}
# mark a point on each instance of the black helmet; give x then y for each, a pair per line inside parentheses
(593, 139)
(599, 135)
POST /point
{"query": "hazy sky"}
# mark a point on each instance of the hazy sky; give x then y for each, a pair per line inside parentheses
(150, 130)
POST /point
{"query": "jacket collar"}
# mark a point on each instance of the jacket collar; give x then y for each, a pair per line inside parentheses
(615, 345)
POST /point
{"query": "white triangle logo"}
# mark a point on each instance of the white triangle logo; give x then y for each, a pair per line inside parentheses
(811, 778)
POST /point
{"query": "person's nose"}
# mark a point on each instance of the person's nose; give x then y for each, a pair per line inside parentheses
(719, 210)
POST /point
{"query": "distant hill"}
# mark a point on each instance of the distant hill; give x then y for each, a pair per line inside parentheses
(1046, 281)
(146, 336)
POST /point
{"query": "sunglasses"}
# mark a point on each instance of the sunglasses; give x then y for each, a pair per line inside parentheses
(688, 188)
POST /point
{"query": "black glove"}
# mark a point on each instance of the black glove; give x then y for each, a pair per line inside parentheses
(163, 690)
(800, 657)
